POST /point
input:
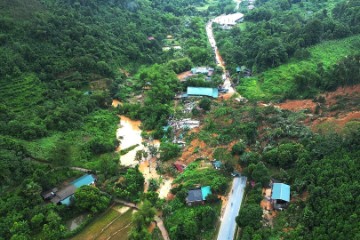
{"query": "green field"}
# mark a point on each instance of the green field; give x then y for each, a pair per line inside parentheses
(112, 224)
(22, 92)
(273, 83)
(99, 126)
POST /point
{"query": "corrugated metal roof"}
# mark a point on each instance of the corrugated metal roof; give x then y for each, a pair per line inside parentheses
(205, 191)
(194, 195)
(281, 191)
(203, 91)
(84, 180)
(63, 193)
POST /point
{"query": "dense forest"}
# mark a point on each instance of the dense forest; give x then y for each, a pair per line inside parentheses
(270, 143)
(61, 64)
(64, 61)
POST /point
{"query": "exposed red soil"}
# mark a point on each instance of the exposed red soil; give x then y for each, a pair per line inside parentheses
(336, 123)
(226, 96)
(183, 75)
(265, 204)
(222, 63)
(337, 118)
(196, 149)
(151, 227)
(170, 196)
(345, 91)
(298, 105)
(330, 97)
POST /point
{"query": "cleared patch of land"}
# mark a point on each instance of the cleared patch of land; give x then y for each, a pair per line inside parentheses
(115, 223)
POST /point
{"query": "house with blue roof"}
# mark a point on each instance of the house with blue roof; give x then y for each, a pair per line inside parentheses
(198, 195)
(65, 195)
(201, 92)
(217, 164)
(280, 195)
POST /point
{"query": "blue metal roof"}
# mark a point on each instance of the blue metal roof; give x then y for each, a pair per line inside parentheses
(66, 201)
(281, 191)
(203, 91)
(205, 191)
(84, 180)
(217, 164)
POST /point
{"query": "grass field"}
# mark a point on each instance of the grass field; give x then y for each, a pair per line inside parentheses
(115, 223)
(273, 83)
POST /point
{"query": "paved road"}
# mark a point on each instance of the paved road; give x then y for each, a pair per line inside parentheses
(228, 224)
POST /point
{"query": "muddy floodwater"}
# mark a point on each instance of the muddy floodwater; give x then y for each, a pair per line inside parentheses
(129, 134)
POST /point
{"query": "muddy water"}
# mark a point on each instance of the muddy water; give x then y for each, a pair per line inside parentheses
(129, 135)
(166, 182)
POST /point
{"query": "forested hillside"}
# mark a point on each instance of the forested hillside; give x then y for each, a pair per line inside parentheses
(64, 62)
(288, 32)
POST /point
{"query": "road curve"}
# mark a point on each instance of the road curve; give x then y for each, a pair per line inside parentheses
(228, 224)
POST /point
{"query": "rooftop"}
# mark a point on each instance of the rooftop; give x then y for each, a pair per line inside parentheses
(205, 191)
(281, 191)
(84, 180)
(202, 91)
(64, 193)
(203, 70)
(230, 19)
(194, 195)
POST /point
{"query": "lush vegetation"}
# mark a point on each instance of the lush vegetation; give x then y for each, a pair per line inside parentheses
(60, 64)
(286, 150)
(281, 32)
(185, 222)
(323, 71)
(63, 61)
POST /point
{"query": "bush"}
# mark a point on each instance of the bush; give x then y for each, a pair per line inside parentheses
(205, 104)
(238, 148)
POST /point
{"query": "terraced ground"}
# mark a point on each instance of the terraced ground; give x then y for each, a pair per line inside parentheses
(21, 93)
(113, 224)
